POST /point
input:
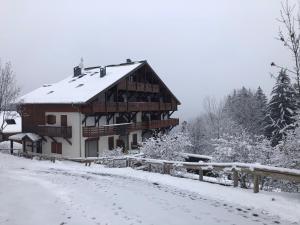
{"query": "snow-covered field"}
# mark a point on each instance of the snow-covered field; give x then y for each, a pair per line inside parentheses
(39, 192)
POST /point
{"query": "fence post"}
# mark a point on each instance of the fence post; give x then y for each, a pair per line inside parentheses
(164, 168)
(200, 174)
(255, 183)
(127, 162)
(11, 147)
(113, 163)
(235, 178)
(149, 167)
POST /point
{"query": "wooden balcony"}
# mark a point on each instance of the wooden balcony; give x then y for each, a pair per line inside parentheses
(138, 86)
(122, 129)
(54, 131)
(130, 107)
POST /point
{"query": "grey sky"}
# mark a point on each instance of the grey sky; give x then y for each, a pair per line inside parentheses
(199, 48)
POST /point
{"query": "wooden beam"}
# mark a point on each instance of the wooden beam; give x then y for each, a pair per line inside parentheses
(108, 117)
(97, 119)
(53, 139)
(200, 174)
(170, 114)
(84, 120)
(44, 139)
(255, 183)
(235, 176)
(67, 140)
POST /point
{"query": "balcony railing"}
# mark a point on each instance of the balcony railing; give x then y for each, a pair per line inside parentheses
(122, 129)
(138, 86)
(54, 131)
(130, 107)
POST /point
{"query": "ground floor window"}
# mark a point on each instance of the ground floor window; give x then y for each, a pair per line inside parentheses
(134, 143)
(111, 144)
(56, 148)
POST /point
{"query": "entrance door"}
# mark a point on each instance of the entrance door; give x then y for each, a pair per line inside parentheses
(91, 148)
(122, 142)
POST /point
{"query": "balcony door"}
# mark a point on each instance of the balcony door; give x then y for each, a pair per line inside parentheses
(64, 120)
(91, 148)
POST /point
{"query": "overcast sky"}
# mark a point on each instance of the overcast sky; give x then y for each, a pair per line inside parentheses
(199, 48)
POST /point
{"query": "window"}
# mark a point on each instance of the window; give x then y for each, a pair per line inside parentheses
(51, 119)
(56, 148)
(134, 139)
(134, 144)
(10, 121)
(111, 144)
(64, 120)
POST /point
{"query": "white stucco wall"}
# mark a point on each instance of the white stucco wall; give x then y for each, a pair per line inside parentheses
(77, 149)
(74, 150)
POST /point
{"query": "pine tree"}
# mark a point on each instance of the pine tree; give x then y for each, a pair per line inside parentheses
(281, 109)
(261, 108)
(243, 108)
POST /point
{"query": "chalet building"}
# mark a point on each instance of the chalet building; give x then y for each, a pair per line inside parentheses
(96, 109)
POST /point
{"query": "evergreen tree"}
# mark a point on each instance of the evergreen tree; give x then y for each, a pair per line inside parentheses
(261, 109)
(281, 109)
(243, 108)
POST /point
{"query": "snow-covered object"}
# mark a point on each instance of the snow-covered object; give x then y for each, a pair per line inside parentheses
(113, 153)
(244, 148)
(166, 147)
(5, 145)
(10, 128)
(281, 109)
(290, 148)
(75, 194)
(197, 156)
(79, 89)
(19, 137)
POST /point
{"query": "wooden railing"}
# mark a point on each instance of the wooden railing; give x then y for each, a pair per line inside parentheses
(54, 131)
(131, 107)
(138, 86)
(125, 128)
(256, 171)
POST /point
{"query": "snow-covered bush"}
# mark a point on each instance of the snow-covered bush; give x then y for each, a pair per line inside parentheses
(245, 148)
(167, 146)
(290, 148)
(113, 153)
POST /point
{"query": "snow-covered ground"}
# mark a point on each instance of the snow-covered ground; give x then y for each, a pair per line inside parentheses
(40, 192)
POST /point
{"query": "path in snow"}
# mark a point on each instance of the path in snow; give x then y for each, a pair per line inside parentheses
(40, 195)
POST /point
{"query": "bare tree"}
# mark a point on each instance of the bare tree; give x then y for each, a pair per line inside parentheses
(289, 35)
(214, 112)
(9, 92)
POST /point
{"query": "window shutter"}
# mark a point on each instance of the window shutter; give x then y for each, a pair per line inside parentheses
(51, 119)
(64, 120)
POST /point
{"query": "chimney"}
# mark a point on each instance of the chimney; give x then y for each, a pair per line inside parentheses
(77, 71)
(102, 71)
(128, 60)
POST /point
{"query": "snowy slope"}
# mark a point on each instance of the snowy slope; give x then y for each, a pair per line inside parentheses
(78, 89)
(40, 192)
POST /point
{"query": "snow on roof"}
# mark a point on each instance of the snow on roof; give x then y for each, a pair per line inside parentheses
(19, 137)
(11, 128)
(81, 88)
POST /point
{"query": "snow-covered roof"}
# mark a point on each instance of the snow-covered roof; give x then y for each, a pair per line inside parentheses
(21, 136)
(11, 128)
(79, 89)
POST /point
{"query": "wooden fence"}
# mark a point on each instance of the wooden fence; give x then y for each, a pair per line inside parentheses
(257, 172)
